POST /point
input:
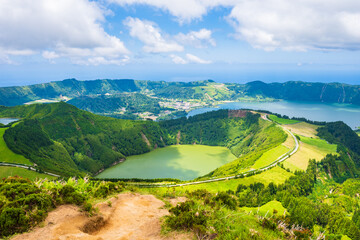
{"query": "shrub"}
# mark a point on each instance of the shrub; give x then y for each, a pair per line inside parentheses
(224, 198)
(186, 216)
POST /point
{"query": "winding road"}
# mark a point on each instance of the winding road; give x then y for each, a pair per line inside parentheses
(28, 167)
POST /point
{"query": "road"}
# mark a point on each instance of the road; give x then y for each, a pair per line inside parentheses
(273, 164)
(26, 167)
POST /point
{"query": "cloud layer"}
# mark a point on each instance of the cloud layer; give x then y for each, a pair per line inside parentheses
(277, 24)
(148, 33)
(58, 28)
(190, 58)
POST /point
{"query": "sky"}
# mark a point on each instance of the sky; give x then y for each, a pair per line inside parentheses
(180, 40)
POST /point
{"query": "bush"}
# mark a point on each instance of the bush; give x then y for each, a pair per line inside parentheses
(224, 198)
(13, 220)
(186, 216)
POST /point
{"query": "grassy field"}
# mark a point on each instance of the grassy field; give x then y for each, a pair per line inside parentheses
(315, 150)
(320, 144)
(270, 156)
(15, 171)
(267, 209)
(281, 120)
(6, 155)
(276, 175)
(289, 143)
(303, 129)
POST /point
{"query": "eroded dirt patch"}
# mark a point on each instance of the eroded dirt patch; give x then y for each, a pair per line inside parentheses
(129, 216)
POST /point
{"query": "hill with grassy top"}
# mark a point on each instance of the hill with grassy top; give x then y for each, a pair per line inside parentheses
(62, 139)
(207, 90)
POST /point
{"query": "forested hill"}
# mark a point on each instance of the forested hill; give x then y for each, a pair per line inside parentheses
(205, 90)
(62, 139)
(11, 96)
(307, 91)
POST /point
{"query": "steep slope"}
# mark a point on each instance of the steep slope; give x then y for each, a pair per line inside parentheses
(307, 91)
(11, 96)
(117, 104)
(61, 138)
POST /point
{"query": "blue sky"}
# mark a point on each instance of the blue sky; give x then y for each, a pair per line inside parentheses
(223, 40)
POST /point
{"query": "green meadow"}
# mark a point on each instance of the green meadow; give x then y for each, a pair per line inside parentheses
(6, 155)
(16, 171)
(270, 156)
(282, 120)
(267, 209)
(320, 144)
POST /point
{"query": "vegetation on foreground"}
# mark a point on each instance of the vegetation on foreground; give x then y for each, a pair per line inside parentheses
(25, 203)
(319, 203)
(308, 204)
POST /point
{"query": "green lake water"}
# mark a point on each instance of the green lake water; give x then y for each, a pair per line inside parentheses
(183, 162)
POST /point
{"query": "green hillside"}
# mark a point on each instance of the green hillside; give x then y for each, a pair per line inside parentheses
(202, 90)
(7, 155)
(62, 139)
(306, 91)
(122, 105)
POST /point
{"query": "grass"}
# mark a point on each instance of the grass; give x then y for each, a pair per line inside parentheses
(270, 156)
(267, 209)
(276, 175)
(6, 155)
(289, 143)
(320, 144)
(303, 129)
(300, 160)
(282, 120)
(15, 171)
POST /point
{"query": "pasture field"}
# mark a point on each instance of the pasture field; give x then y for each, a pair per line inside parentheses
(270, 156)
(300, 160)
(282, 120)
(6, 155)
(267, 209)
(276, 175)
(289, 142)
(303, 129)
(16, 171)
(320, 144)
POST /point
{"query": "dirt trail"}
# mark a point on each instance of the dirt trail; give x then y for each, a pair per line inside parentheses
(130, 216)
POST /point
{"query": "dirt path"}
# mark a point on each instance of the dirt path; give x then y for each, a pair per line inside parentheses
(130, 216)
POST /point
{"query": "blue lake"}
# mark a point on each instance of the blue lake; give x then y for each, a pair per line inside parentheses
(6, 121)
(348, 113)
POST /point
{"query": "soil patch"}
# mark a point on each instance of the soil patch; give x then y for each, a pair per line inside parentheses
(129, 216)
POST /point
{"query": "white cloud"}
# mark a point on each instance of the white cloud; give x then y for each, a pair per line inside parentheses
(50, 55)
(198, 39)
(190, 58)
(178, 60)
(195, 59)
(297, 25)
(149, 33)
(57, 28)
